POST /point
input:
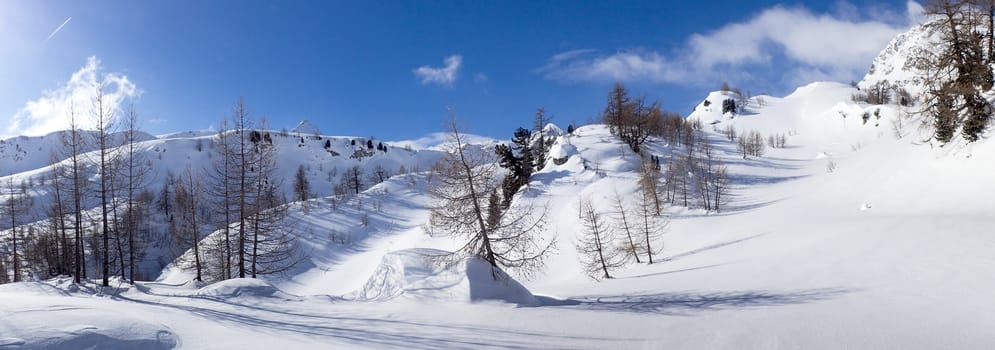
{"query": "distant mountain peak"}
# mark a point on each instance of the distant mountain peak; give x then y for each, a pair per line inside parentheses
(900, 64)
(305, 127)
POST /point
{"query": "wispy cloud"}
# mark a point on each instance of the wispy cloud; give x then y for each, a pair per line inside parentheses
(49, 112)
(480, 78)
(589, 65)
(444, 76)
(828, 46)
(57, 30)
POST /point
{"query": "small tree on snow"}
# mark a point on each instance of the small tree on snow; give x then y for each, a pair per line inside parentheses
(599, 256)
(633, 246)
(728, 106)
(650, 225)
(353, 179)
(186, 230)
(302, 187)
(464, 190)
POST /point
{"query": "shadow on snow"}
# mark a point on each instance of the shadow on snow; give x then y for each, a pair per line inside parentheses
(690, 303)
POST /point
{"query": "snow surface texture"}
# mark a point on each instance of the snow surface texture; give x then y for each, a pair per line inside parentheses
(426, 274)
(890, 248)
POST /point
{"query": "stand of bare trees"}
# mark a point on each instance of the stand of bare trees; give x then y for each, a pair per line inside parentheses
(273, 249)
(133, 173)
(186, 229)
(98, 221)
(103, 119)
(599, 253)
(353, 179)
(16, 207)
(221, 191)
(631, 119)
(73, 146)
(750, 144)
(247, 204)
(696, 173)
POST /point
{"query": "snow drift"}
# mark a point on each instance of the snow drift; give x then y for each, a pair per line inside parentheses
(243, 287)
(423, 274)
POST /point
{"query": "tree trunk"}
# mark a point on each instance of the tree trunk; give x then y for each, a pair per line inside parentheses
(601, 253)
(488, 253)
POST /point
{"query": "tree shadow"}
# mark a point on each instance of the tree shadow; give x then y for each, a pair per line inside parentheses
(710, 247)
(750, 180)
(365, 331)
(669, 272)
(690, 303)
(731, 208)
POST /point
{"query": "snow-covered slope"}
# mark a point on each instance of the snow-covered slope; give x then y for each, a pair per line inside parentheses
(170, 155)
(25, 153)
(889, 244)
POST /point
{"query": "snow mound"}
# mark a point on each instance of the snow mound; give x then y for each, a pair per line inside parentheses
(243, 287)
(562, 150)
(709, 110)
(305, 127)
(32, 288)
(552, 130)
(423, 274)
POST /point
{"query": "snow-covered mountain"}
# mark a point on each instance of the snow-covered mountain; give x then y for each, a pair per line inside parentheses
(900, 64)
(854, 234)
(25, 153)
(306, 128)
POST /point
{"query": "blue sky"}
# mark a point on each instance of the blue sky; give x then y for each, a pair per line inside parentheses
(388, 69)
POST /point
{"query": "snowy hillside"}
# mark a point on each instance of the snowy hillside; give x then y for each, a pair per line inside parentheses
(169, 155)
(24, 153)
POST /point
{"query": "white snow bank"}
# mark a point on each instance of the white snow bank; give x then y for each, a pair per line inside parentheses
(33, 288)
(243, 287)
(424, 274)
(552, 130)
(562, 150)
(43, 315)
(136, 335)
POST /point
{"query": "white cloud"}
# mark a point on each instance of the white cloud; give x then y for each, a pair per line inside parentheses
(444, 76)
(580, 65)
(49, 112)
(822, 41)
(838, 47)
(914, 11)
